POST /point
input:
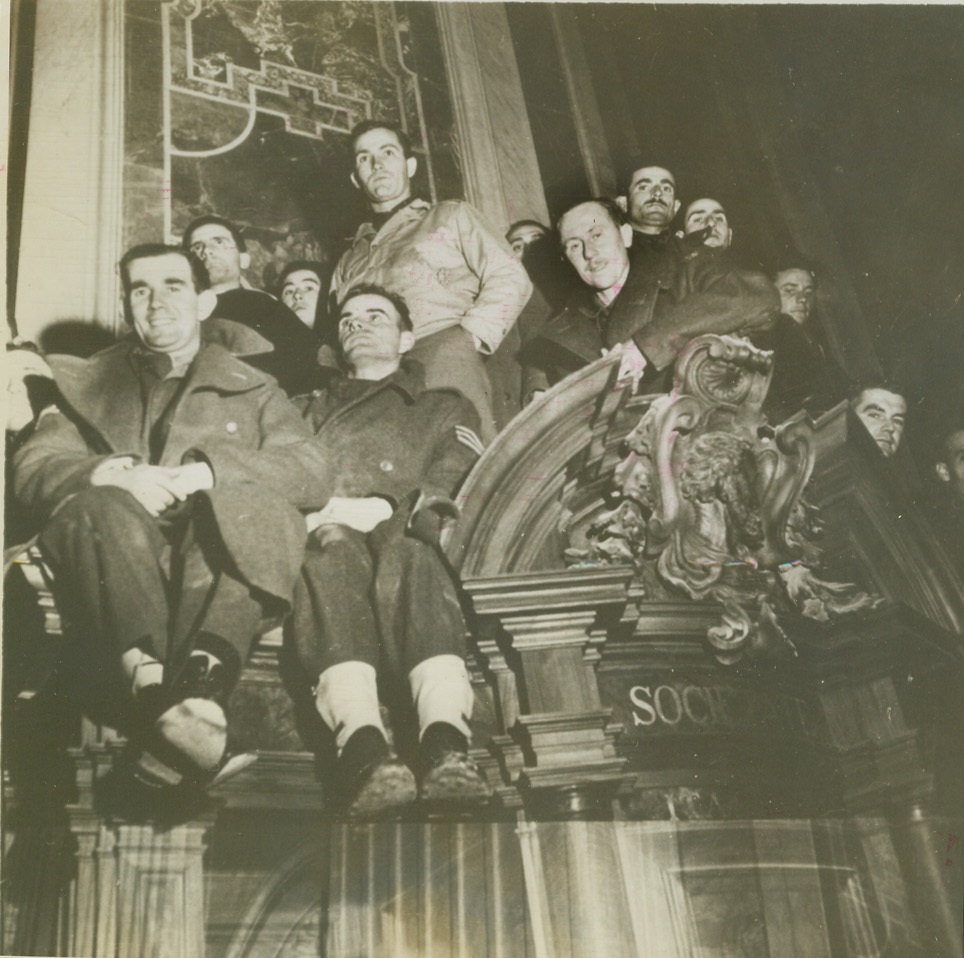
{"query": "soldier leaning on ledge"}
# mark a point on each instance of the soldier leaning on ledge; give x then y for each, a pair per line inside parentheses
(375, 596)
(653, 310)
(168, 480)
(462, 284)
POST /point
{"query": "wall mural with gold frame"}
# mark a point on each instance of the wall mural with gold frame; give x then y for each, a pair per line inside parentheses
(243, 108)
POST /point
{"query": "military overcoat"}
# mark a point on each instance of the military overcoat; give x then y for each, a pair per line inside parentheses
(266, 465)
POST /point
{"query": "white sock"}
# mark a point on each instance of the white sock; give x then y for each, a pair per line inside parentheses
(198, 729)
(141, 669)
(442, 693)
(347, 699)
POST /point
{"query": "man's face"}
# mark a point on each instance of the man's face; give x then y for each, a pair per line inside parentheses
(651, 202)
(164, 303)
(369, 331)
(218, 253)
(951, 469)
(524, 236)
(300, 293)
(595, 245)
(382, 172)
(796, 288)
(883, 413)
(703, 213)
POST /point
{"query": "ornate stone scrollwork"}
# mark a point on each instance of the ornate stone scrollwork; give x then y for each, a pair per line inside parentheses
(713, 496)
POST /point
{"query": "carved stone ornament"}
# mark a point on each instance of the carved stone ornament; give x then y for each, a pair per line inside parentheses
(711, 494)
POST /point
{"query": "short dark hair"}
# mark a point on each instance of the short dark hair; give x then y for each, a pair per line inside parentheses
(943, 447)
(152, 251)
(610, 206)
(373, 289)
(296, 265)
(795, 262)
(211, 218)
(637, 163)
(887, 385)
(366, 126)
(533, 223)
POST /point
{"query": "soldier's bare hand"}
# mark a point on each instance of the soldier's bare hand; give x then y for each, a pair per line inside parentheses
(632, 365)
(361, 514)
(192, 477)
(149, 485)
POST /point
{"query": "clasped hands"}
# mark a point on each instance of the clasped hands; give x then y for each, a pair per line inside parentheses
(156, 488)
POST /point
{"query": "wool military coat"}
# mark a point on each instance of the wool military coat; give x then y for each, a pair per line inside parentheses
(395, 438)
(694, 291)
(265, 462)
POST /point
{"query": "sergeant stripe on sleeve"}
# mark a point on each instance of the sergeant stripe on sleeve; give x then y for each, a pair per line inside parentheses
(468, 438)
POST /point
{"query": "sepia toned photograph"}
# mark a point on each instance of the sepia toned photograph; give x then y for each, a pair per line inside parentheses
(483, 480)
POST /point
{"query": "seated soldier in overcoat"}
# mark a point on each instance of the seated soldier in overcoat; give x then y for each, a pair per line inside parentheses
(375, 596)
(168, 481)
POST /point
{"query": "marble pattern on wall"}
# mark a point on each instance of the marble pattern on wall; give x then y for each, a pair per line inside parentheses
(243, 107)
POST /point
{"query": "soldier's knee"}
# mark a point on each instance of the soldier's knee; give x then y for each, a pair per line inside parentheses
(339, 545)
(334, 536)
(99, 510)
(96, 505)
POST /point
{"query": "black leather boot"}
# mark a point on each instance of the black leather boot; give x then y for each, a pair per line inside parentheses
(370, 779)
(448, 774)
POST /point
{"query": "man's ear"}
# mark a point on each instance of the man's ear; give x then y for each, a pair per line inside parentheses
(354, 181)
(626, 232)
(245, 260)
(675, 207)
(207, 299)
(411, 164)
(406, 341)
(943, 473)
(621, 203)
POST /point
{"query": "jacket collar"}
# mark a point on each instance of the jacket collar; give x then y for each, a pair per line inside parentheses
(236, 338)
(408, 379)
(100, 388)
(417, 209)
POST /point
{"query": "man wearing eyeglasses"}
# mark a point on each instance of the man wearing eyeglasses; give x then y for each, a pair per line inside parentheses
(375, 599)
(218, 247)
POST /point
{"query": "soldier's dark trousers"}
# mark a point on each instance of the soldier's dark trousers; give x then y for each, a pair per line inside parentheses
(124, 578)
(384, 598)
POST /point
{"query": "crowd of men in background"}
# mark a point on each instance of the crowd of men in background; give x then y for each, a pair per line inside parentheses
(175, 477)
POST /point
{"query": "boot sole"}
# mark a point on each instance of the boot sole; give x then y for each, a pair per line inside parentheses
(390, 785)
(455, 782)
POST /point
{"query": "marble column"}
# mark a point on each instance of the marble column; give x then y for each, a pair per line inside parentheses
(71, 234)
(499, 165)
(590, 131)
